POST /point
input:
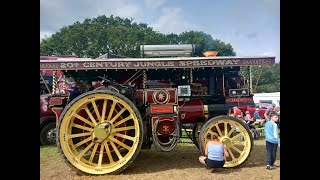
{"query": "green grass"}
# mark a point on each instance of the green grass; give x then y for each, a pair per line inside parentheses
(48, 151)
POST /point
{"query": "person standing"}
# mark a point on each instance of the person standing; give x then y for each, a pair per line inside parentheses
(268, 112)
(272, 140)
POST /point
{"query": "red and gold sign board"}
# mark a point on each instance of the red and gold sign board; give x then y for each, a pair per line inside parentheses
(162, 109)
(153, 63)
(165, 124)
(240, 100)
(161, 96)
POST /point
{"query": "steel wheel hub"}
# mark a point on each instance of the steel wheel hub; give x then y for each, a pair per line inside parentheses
(101, 132)
(227, 141)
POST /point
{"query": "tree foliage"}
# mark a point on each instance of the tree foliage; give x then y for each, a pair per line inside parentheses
(122, 36)
(267, 78)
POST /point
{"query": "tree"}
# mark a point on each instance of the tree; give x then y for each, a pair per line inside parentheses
(101, 35)
(267, 79)
(122, 36)
(198, 37)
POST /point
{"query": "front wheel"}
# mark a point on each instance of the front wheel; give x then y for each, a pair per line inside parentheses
(238, 139)
(48, 134)
(100, 132)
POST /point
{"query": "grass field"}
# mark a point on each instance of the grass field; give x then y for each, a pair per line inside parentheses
(180, 163)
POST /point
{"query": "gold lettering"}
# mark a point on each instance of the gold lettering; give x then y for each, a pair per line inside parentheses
(182, 63)
(220, 62)
(203, 63)
(171, 63)
(235, 61)
(127, 64)
(210, 62)
(114, 65)
(229, 62)
(151, 64)
(195, 63)
(63, 65)
(143, 64)
(136, 64)
(105, 64)
(120, 64)
(188, 63)
(99, 64)
(92, 64)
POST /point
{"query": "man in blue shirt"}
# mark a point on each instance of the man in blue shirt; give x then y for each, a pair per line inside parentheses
(272, 140)
(74, 91)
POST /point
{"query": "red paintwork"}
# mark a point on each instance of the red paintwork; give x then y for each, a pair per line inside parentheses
(240, 100)
(44, 103)
(169, 120)
(161, 109)
(191, 111)
(252, 109)
(172, 95)
(165, 127)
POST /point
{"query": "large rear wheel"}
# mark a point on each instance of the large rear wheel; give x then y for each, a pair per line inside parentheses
(100, 132)
(238, 139)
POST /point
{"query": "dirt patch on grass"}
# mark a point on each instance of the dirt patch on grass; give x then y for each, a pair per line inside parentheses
(180, 163)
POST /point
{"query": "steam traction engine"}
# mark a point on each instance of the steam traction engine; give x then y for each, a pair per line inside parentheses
(144, 102)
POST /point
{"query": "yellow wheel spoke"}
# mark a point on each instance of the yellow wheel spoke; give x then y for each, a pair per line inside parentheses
(108, 152)
(116, 150)
(231, 131)
(116, 116)
(225, 129)
(111, 110)
(122, 129)
(122, 121)
(236, 136)
(90, 115)
(104, 108)
(83, 127)
(218, 129)
(120, 143)
(238, 142)
(112, 121)
(235, 148)
(93, 152)
(82, 142)
(100, 155)
(124, 136)
(83, 119)
(79, 135)
(231, 154)
(96, 109)
(85, 150)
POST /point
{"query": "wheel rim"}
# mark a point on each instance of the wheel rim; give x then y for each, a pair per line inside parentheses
(236, 138)
(197, 132)
(51, 135)
(99, 133)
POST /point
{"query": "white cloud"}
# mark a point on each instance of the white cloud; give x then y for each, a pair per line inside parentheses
(173, 21)
(58, 13)
(153, 4)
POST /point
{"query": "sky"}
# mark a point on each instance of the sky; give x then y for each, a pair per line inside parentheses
(252, 27)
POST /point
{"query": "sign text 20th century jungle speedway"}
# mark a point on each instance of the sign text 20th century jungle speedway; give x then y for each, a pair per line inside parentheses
(78, 64)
